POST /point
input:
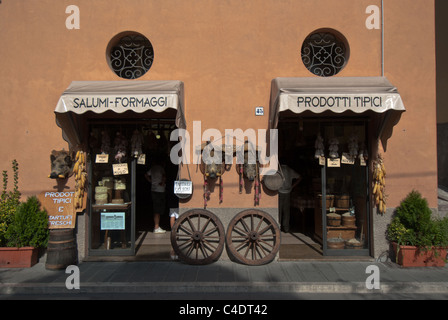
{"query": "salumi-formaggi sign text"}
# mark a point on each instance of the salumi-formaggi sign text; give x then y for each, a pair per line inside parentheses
(131, 102)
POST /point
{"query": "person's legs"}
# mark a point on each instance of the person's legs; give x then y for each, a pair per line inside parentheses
(158, 199)
(156, 220)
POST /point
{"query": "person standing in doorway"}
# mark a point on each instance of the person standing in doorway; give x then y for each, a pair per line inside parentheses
(291, 179)
(156, 176)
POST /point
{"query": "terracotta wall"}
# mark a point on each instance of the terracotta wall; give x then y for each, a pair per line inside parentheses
(410, 66)
(226, 53)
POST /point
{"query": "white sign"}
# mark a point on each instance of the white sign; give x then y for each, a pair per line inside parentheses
(259, 111)
(141, 159)
(120, 169)
(183, 187)
(102, 158)
(112, 221)
(333, 163)
(347, 159)
(321, 160)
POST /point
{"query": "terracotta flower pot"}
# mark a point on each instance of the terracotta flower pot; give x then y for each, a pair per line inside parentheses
(24, 257)
(411, 256)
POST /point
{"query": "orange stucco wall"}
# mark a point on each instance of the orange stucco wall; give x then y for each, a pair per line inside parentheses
(226, 53)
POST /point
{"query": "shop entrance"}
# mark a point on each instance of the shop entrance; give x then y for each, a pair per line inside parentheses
(329, 208)
(122, 215)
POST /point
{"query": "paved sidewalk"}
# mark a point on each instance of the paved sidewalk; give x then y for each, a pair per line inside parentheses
(225, 277)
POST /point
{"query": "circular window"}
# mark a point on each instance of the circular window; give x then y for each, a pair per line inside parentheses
(130, 55)
(325, 52)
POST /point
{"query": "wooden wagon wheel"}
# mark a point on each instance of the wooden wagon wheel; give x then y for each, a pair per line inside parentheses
(198, 237)
(253, 237)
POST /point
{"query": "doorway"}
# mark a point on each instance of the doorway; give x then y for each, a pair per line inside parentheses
(136, 144)
(318, 150)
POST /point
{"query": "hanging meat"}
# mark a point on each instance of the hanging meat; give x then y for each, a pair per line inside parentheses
(319, 146)
(353, 146)
(137, 143)
(120, 146)
(105, 142)
(333, 148)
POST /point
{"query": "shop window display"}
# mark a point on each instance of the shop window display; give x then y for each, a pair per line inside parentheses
(119, 157)
(332, 157)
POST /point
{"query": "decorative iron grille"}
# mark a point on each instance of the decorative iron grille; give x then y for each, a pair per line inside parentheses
(324, 54)
(132, 57)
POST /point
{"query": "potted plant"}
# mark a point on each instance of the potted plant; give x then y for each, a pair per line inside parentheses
(417, 238)
(26, 234)
(23, 226)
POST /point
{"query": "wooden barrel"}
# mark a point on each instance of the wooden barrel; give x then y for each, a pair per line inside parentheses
(353, 245)
(333, 220)
(61, 249)
(342, 201)
(335, 243)
(349, 221)
(329, 200)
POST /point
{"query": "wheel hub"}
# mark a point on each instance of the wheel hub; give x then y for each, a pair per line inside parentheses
(253, 236)
(197, 236)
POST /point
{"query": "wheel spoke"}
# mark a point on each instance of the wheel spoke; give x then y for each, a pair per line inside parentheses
(260, 245)
(187, 231)
(191, 224)
(259, 225)
(242, 232)
(242, 245)
(245, 225)
(206, 224)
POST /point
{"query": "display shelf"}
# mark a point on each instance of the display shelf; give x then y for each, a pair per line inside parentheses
(111, 206)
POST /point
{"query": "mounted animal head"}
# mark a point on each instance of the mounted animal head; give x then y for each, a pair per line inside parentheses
(214, 160)
(61, 164)
(250, 165)
(213, 163)
(250, 171)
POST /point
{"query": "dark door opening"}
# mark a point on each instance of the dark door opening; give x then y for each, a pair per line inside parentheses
(135, 190)
(306, 146)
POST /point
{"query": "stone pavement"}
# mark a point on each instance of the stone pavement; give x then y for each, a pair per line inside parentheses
(226, 277)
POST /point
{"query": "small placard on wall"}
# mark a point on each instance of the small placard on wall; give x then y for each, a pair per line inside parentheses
(333, 163)
(102, 158)
(347, 159)
(120, 169)
(141, 159)
(362, 162)
(321, 160)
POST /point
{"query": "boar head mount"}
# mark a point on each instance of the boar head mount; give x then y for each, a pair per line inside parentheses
(61, 164)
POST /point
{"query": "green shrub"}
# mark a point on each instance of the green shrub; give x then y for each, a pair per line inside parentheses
(29, 226)
(9, 201)
(413, 224)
